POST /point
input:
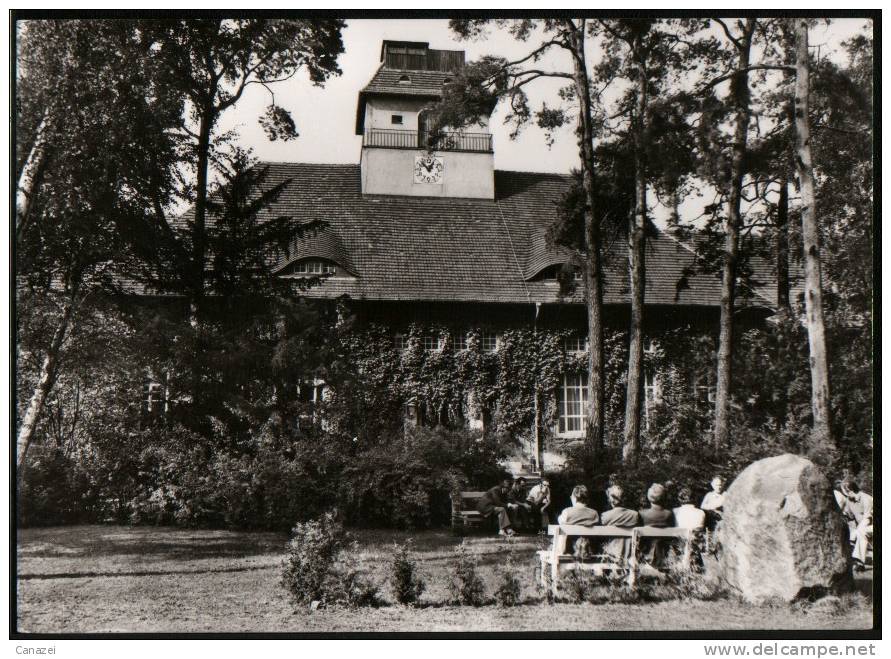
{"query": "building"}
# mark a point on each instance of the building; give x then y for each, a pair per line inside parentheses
(425, 232)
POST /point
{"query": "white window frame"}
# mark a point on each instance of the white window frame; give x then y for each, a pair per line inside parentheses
(489, 335)
(652, 391)
(155, 395)
(574, 344)
(573, 389)
(311, 267)
(400, 342)
(460, 341)
(431, 343)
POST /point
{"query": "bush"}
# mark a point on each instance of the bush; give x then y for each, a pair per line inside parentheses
(309, 567)
(405, 481)
(509, 588)
(54, 490)
(466, 585)
(407, 584)
(355, 586)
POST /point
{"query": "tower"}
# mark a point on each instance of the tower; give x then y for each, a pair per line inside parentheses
(400, 153)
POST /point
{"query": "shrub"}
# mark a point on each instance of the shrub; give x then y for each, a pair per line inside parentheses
(355, 587)
(404, 481)
(309, 567)
(509, 588)
(407, 584)
(466, 585)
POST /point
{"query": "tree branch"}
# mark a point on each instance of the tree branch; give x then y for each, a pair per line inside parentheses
(727, 31)
(754, 67)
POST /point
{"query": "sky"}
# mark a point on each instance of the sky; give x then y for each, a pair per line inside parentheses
(326, 116)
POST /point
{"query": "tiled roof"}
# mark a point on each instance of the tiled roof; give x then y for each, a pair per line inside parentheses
(421, 84)
(320, 244)
(479, 250)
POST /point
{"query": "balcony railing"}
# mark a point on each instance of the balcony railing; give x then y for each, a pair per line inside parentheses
(440, 141)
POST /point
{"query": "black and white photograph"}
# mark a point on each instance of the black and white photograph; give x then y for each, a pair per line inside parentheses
(345, 323)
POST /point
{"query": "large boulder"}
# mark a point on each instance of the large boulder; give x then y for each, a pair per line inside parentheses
(782, 535)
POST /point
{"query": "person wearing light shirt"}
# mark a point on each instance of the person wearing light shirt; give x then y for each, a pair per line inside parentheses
(688, 516)
(539, 498)
(859, 507)
(714, 500)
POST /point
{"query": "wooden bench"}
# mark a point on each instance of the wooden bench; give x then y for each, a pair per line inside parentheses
(556, 558)
(552, 560)
(674, 534)
(464, 513)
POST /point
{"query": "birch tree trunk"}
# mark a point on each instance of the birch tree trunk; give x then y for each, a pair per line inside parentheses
(740, 94)
(27, 182)
(593, 274)
(813, 295)
(636, 271)
(44, 385)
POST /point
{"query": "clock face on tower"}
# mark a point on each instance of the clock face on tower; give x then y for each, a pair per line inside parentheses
(428, 169)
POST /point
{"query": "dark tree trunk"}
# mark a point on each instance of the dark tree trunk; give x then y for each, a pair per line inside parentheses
(637, 271)
(782, 246)
(740, 97)
(813, 295)
(593, 269)
(199, 231)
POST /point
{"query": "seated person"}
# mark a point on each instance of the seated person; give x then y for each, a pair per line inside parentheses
(580, 514)
(539, 500)
(713, 503)
(522, 512)
(656, 515)
(619, 548)
(686, 515)
(495, 502)
(859, 506)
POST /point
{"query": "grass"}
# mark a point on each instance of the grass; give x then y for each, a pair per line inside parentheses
(151, 579)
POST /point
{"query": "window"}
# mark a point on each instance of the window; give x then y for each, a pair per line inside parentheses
(460, 341)
(400, 342)
(430, 343)
(488, 341)
(314, 267)
(572, 399)
(155, 397)
(396, 119)
(575, 343)
(311, 392)
(404, 80)
(652, 395)
(704, 391)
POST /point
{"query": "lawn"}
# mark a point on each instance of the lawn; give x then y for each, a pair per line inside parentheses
(151, 579)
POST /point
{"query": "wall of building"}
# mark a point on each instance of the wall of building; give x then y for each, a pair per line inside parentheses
(391, 172)
(379, 112)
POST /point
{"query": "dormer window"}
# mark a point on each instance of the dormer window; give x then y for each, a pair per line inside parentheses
(314, 267)
(446, 81)
(396, 119)
(404, 80)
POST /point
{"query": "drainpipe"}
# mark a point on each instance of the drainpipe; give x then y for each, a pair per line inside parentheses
(539, 457)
